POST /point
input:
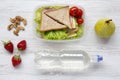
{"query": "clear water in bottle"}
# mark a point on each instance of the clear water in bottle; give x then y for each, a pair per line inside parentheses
(64, 60)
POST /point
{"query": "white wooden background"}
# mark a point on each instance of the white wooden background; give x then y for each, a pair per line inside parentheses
(94, 10)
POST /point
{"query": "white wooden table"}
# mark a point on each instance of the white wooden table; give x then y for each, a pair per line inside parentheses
(94, 10)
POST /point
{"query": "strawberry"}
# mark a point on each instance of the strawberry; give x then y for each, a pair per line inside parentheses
(22, 45)
(16, 60)
(9, 46)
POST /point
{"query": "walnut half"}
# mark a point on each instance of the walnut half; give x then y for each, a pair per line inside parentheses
(11, 26)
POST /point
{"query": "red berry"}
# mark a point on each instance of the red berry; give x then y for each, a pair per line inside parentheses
(73, 11)
(79, 13)
(22, 45)
(16, 60)
(80, 20)
(9, 46)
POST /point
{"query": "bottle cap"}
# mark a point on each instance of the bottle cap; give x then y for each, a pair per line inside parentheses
(99, 58)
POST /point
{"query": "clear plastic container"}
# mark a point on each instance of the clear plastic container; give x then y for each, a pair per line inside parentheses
(59, 41)
(64, 60)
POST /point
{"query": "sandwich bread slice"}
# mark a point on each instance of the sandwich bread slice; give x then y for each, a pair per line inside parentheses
(61, 15)
(48, 23)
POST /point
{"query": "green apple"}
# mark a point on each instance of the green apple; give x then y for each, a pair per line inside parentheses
(104, 28)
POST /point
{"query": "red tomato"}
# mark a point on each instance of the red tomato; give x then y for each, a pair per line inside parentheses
(80, 20)
(79, 13)
(73, 11)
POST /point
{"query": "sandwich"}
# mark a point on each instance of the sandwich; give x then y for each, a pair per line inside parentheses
(61, 15)
(56, 23)
(48, 23)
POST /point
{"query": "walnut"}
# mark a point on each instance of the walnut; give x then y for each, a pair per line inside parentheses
(16, 32)
(12, 20)
(19, 18)
(24, 22)
(10, 27)
(16, 24)
(20, 28)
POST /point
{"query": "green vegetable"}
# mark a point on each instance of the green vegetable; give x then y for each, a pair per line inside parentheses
(55, 34)
(38, 15)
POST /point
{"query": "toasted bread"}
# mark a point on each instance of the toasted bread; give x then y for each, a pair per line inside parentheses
(61, 15)
(48, 23)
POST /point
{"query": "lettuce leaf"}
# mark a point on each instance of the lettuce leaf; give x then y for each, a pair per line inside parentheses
(55, 35)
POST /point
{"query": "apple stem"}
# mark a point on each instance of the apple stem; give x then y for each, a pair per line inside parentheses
(108, 20)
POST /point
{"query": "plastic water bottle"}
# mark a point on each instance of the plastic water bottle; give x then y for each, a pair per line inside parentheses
(64, 60)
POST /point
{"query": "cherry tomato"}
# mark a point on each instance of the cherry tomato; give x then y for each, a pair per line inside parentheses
(73, 11)
(80, 20)
(79, 13)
